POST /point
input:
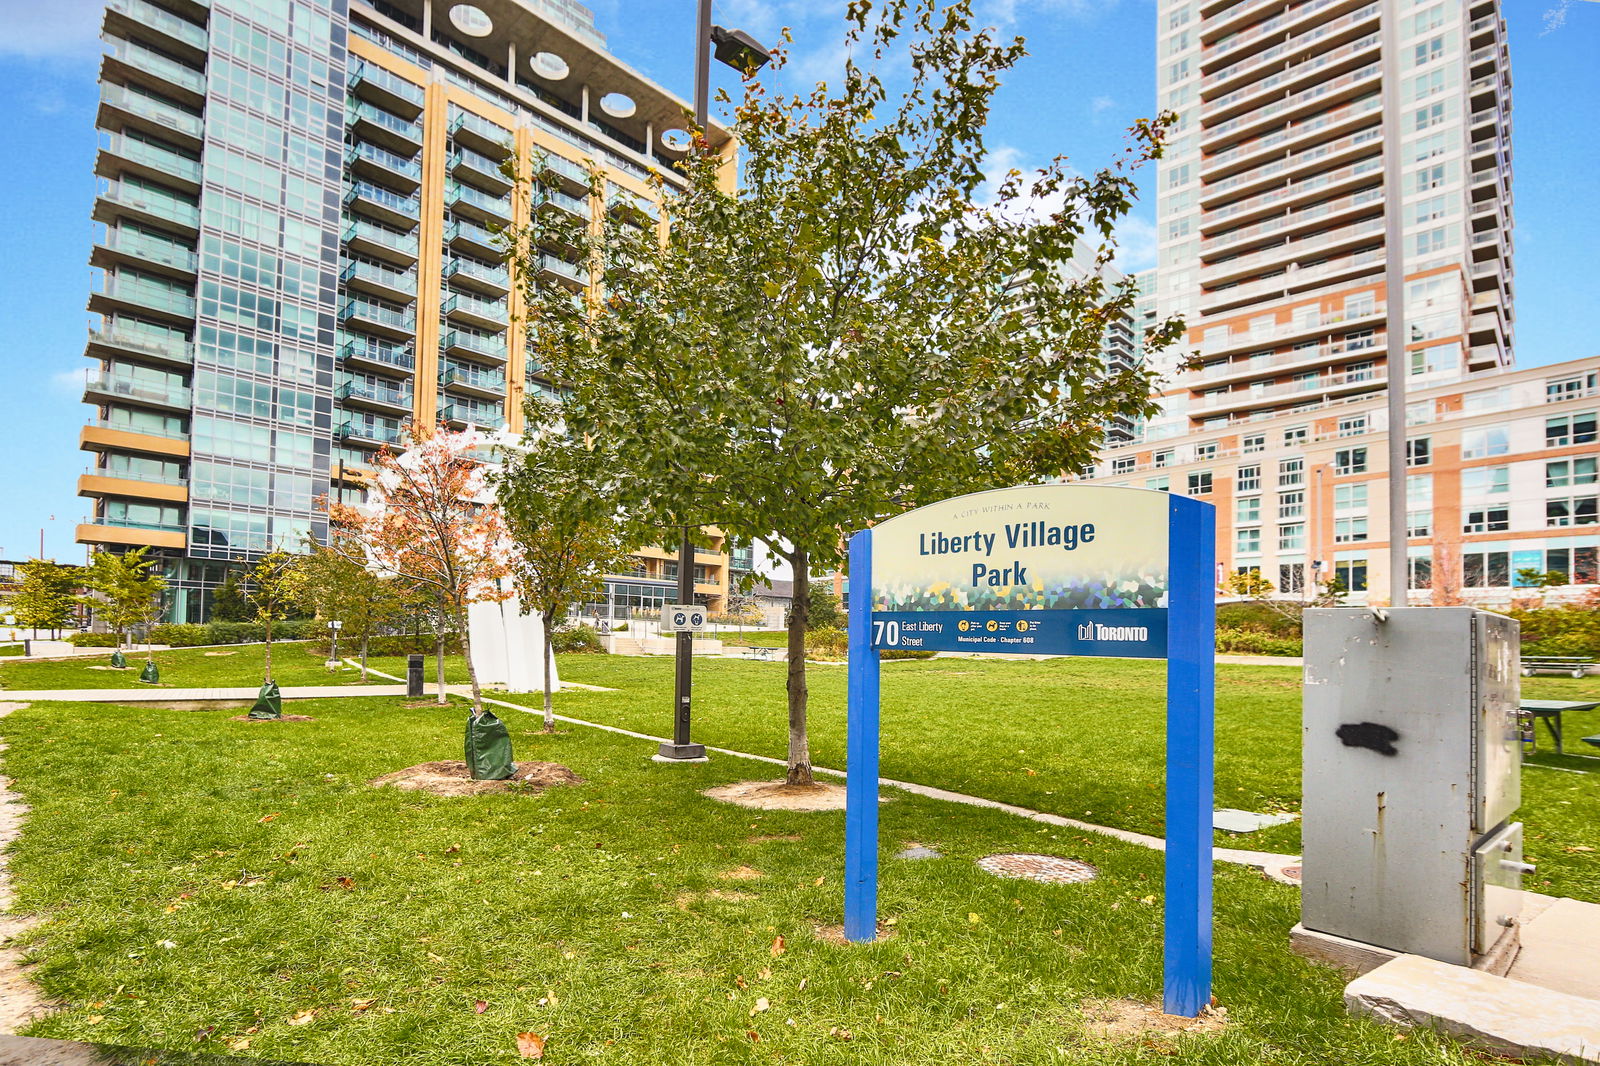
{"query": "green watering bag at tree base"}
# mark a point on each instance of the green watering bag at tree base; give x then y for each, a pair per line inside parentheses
(269, 702)
(150, 674)
(118, 661)
(488, 748)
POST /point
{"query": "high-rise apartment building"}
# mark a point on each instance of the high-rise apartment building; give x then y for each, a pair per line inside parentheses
(296, 251)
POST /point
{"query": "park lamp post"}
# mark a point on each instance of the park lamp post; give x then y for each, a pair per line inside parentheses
(745, 54)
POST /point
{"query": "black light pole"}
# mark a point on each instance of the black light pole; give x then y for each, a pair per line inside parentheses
(744, 53)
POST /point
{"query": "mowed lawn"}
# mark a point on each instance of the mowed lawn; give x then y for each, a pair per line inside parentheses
(220, 886)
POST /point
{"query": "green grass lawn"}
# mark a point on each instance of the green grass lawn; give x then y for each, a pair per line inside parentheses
(234, 666)
(206, 883)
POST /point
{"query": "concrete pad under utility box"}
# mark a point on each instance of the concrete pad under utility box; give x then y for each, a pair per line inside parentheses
(1494, 1012)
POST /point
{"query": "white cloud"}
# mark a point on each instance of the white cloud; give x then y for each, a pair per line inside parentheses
(1101, 103)
(1136, 244)
(61, 29)
(67, 382)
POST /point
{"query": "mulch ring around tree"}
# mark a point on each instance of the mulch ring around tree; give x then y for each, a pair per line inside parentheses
(780, 796)
(451, 778)
(282, 718)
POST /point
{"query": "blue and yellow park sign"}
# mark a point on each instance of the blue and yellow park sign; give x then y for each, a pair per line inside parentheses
(1050, 570)
(1042, 570)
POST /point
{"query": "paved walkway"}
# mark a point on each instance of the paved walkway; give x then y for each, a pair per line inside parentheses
(187, 695)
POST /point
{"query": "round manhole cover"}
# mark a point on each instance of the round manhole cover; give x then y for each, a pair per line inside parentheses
(1291, 873)
(1051, 869)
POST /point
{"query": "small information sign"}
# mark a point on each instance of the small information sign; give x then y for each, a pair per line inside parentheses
(683, 618)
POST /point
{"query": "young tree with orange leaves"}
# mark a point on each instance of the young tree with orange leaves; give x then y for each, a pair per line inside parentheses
(431, 521)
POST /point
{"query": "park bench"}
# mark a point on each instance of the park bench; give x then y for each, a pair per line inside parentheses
(1574, 665)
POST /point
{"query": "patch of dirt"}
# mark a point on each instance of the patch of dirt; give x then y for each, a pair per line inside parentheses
(834, 934)
(417, 704)
(214, 654)
(451, 778)
(780, 796)
(685, 900)
(772, 837)
(284, 718)
(742, 873)
(1121, 1019)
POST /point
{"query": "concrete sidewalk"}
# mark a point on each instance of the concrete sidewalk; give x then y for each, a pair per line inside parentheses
(190, 695)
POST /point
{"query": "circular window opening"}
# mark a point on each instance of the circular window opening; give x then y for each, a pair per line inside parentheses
(676, 140)
(470, 20)
(549, 66)
(617, 105)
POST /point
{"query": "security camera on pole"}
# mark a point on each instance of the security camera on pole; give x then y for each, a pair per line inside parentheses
(745, 54)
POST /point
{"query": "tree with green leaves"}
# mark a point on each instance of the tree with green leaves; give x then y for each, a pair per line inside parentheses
(125, 589)
(564, 536)
(228, 603)
(336, 587)
(46, 596)
(273, 587)
(865, 325)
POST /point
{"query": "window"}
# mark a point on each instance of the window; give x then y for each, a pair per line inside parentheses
(1429, 84)
(1430, 177)
(1482, 443)
(1497, 399)
(1208, 450)
(1255, 442)
(1292, 537)
(1350, 461)
(1122, 466)
(1579, 564)
(1249, 478)
(1428, 117)
(1566, 472)
(1164, 458)
(1350, 497)
(1486, 520)
(1569, 429)
(1427, 51)
(1486, 569)
(1291, 577)
(1419, 495)
(1353, 572)
(1567, 388)
(1292, 504)
(1200, 483)
(1292, 471)
(1483, 482)
(1419, 571)
(1295, 435)
(1248, 542)
(1247, 509)
(1419, 451)
(1570, 511)
(1353, 426)
(1160, 484)
(1419, 523)
(1349, 530)
(1429, 241)
(1438, 358)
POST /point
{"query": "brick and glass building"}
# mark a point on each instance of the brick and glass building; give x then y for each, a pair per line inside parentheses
(295, 251)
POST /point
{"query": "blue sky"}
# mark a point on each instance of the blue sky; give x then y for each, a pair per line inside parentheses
(1089, 74)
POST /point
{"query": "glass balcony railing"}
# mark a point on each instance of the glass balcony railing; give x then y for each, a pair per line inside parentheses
(492, 310)
(159, 18)
(482, 127)
(477, 161)
(485, 416)
(137, 151)
(497, 206)
(123, 387)
(390, 83)
(566, 168)
(109, 522)
(461, 229)
(123, 471)
(143, 198)
(371, 349)
(493, 381)
(393, 395)
(150, 248)
(390, 161)
(169, 116)
(367, 311)
(179, 74)
(466, 268)
(148, 342)
(408, 206)
(398, 280)
(463, 340)
(564, 269)
(378, 432)
(575, 205)
(410, 129)
(400, 242)
(169, 432)
(152, 294)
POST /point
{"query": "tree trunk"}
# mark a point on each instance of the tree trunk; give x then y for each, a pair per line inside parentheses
(438, 656)
(472, 671)
(799, 616)
(269, 647)
(364, 638)
(549, 659)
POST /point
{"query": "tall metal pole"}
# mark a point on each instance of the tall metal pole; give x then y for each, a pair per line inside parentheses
(702, 65)
(1394, 287)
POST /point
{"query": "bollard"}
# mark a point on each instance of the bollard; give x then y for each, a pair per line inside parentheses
(413, 675)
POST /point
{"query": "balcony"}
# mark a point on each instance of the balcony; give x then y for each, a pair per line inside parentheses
(1239, 105)
(397, 285)
(635, 209)
(1318, 387)
(576, 175)
(124, 293)
(387, 90)
(99, 483)
(368, 315)
(1293, 281)
(1280, 112)
(130, 61)
(1365, 170)
(470, 274)
(143, 203)
(468, 129)
(1305, 327)
(465, 200)
(474, 382)
(377, 202)
(370, 161)
(570, 274)
(99, 435)
(121, 107)
(131, 534)
(1239, 43)
(1258, 62)
(371, 353)
(1287, 254)
(117, 341)
(104, 388)
(473, 238)
(483, 416)
(475, 346)
(124, 246)
(556, 200)
(1248, 181)
(367, 238)
(143, 17)
(476, 311)
(1283, 142)
(126, 154)
(366, 393)
(369, 434)
(1291, 222)
(384, 128)
(480, 169)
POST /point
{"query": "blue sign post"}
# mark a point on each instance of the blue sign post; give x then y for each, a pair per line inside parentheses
(1050, 570)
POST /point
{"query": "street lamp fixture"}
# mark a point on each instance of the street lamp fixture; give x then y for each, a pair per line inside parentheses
(739, 50)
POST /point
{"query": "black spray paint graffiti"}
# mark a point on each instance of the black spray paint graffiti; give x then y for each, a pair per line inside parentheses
(1369, 735)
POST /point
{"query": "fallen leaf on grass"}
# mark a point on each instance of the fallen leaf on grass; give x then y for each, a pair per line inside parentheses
(236, 1043)
(755, 1037)
(95, 1019)
(778, 947)
(530, 1045)
(480, 1006)
(761, 1005)
(973, 917)
(305, 1017)
(359, 1005)
(803, 982)
(346, 883)
(1580, 847)
(452, 849)
(268, 817)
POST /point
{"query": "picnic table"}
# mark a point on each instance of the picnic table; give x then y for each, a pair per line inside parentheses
(757, 651)
(1551, 711)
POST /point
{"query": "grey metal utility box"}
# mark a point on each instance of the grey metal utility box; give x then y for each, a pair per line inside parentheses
(1412, 764)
